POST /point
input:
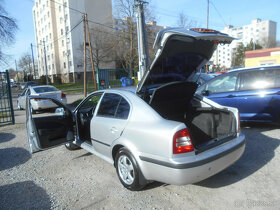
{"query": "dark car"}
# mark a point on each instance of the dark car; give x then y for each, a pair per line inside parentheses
(201, 78)
(254, 91)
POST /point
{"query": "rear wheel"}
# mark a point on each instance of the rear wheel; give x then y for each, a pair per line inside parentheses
(18, 106)
(128, 171)
(70, 146)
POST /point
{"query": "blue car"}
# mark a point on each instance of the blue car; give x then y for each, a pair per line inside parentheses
(254, 91)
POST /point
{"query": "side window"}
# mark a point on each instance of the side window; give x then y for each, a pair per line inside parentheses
(260, 79)
(91, 102)
(113, 105)
(223, 83)
(123, 109)
(109, 105)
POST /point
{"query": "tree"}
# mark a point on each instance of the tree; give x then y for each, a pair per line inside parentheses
(238, 59)
(8, 28)
(126, 36)
(25, 64)
(184, 22)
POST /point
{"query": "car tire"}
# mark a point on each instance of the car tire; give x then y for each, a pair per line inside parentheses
(18, 106)
(33, 111)
(70, 146)
(128, 171)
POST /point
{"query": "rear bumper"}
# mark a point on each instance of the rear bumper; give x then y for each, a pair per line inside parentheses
(45, 104)
(192, 169)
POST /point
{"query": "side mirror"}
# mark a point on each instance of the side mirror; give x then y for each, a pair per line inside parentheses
(205, 93)
(60, 111)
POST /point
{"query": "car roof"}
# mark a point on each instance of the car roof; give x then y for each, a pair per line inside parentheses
(260, 68)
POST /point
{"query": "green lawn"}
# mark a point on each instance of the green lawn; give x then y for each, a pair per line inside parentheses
(70, 87)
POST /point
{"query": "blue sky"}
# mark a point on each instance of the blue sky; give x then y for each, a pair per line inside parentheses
(234, 12)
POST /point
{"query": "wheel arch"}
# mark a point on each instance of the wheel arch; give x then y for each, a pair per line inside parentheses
(115, 149)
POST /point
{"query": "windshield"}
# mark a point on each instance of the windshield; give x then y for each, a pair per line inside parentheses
(45, 89)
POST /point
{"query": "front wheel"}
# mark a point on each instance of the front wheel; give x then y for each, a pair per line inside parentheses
(128, 171)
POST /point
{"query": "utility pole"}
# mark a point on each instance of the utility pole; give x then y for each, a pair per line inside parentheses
(207, 14)
(85, 59)
(16, 70)
(33, 61)
(143, 50)
(46, 67)
(91, 56)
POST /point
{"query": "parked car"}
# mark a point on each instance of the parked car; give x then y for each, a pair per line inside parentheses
(159, 131)
(254, 91)
(27, 84)
(45, 91)
(201, 78)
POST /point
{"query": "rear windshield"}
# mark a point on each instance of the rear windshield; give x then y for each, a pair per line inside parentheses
(44, 89)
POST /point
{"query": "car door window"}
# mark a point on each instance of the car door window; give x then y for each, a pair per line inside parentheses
(91, 102)
(225, 83)
(259, 79)
(109, 105)
(113, 105)
(123, 109)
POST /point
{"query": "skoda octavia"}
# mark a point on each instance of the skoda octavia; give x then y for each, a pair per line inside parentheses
(158, 131)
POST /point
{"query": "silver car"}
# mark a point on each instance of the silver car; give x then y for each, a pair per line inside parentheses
(43, 90)
(159, 131)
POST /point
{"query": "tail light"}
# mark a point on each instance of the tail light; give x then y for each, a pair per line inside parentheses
(37, 99)
(63, 95)
(182, 142)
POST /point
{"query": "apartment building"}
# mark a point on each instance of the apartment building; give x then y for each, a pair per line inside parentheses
(59, 35)
(261, 32)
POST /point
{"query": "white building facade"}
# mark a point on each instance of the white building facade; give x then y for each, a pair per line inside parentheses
(261, 32)
(59, 34)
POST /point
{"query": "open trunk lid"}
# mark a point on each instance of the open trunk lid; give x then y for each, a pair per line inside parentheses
(180, 53)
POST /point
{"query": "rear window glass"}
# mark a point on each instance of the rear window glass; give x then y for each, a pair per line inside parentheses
(123, 109)
(44, 89)
(113, 105)
(260, 79)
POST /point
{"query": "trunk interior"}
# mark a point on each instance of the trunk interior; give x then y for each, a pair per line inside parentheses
(206, 124)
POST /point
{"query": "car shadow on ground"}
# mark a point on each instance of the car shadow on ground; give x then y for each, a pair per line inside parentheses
(14, 156)
(5, 137)
(260, 150)
(24, 195)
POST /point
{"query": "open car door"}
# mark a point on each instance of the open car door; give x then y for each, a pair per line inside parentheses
(52, 125)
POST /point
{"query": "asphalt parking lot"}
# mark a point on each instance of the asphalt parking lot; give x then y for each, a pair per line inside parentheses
(60, 179)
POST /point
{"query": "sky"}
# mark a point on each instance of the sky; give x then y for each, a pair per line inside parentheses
(221, 13)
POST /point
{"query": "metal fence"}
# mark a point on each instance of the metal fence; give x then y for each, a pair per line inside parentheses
(110, 78)
(6, 102)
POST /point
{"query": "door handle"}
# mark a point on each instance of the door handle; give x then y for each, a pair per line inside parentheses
(113, 130)
(231, 96)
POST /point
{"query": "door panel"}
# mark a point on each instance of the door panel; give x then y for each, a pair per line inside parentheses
(49, 127)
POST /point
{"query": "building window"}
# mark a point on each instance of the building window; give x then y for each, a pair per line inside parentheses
(67, 29)
(47, 47)
(62, 42)
(52, 56)
(59, 8)
(61, 31)
(49, 67)
(70, 63)
(47, 3)
(49, 25)
(52, 66)
(50, 35)
(64, 65)
(48, 14)
(61, 20)
(36, 4)
(48, 57)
